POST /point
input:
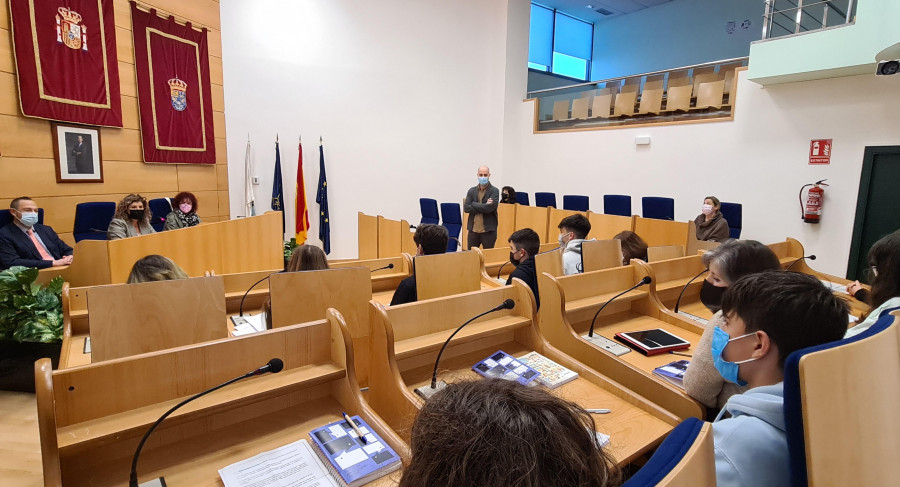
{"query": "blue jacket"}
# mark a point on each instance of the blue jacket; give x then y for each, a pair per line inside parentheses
(17, 249)
(751, 448)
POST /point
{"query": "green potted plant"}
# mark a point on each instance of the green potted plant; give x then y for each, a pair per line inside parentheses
(289, 246)
(31, 326)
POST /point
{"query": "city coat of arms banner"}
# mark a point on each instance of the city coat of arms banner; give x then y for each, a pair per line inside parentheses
(174, 94)
(66, 60)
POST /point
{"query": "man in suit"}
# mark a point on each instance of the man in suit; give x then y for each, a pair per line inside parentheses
(481, 205)
(82, 165)
(27, 243)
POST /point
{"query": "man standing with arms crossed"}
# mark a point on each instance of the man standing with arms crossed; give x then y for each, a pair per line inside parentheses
(481, 205)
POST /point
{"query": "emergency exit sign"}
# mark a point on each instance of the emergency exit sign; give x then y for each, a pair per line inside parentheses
(820, 151)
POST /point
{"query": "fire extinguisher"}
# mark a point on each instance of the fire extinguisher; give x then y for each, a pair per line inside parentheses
(812, 212)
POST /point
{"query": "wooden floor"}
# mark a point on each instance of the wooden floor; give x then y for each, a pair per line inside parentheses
(20, 447)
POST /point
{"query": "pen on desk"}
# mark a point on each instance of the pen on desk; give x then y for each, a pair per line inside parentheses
(681, 353)
(598, 411)
(359, 433)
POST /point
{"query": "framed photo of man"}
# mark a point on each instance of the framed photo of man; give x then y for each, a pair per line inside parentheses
(76, 149)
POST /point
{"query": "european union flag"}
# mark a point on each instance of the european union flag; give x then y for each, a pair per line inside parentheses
(277, 189)
(322, 200)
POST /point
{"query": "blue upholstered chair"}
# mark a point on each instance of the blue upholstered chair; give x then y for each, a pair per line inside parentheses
(92, 220)
(451, 218)
(159, 209)
(7, 218)
(840, 408)
(617, 204)
(576, 202)
(733, 214)
(522, 198)
(657, 207)
(544, 200)
(429, 209)
(685, 457)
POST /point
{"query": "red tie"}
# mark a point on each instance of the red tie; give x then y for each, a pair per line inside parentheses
(40, 248)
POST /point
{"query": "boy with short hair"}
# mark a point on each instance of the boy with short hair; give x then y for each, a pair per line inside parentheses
(574, 229)
(430, 240)
(768, 316)
(524, 244)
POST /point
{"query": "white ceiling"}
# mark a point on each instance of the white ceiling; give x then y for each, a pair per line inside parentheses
(616, 8)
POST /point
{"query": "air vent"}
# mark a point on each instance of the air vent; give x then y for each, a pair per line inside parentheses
(603, 11)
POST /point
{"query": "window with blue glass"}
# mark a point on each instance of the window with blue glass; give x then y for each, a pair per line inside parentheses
(559, 43)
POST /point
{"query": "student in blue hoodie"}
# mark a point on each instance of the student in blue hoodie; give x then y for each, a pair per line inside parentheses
(768, 316)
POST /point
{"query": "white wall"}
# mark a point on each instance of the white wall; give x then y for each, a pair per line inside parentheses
(409, 97)
(760, 159)
(674, 34)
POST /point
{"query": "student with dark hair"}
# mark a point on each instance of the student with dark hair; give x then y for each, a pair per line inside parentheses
(711, 225)
(524, 244)
(768, 316)
(884, 269)
(501, 433)
(574, 229)
(633, 246)
(726, 263)
(508, 195)
(429, 240)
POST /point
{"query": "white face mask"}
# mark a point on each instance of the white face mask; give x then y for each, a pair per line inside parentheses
(707, 209)
(28, 218)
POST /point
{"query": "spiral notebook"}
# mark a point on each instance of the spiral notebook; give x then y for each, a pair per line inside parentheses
(351, 461)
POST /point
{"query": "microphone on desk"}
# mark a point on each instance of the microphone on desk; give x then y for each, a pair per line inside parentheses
(389, 266)
(678, 301)
(810, 257)
(645, 280)
(500, 271)
(427, 392)
(274, 366)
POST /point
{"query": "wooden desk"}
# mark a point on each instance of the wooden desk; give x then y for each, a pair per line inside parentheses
(497, 257)
(89, 433)
(661, 232)
(406, 340)
(605, 227)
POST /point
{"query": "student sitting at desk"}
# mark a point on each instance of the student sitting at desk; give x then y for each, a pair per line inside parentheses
(429, 240)
(155, 268)
(633, 246)
(573, 229)
(768, 316)
(726, 263)
(524, 244)
(498, 432)
(304, 258)
(884, 270)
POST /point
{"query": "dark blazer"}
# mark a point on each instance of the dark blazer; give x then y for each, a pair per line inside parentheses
(406, 292)
(472, 206)
(17, 249)
(527, 272)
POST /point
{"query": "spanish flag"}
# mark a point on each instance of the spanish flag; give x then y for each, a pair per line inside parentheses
(301, 213)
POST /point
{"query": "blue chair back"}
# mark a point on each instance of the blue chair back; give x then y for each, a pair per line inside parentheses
(92, 220)
(544, 200)
(7, 218)
(429, 209)
(522, 198)
(159, 209)
(617, 204)
(451, 218)
(670, 452)
(576, 202)
(879, 404)
(733, 214)
(658, 207)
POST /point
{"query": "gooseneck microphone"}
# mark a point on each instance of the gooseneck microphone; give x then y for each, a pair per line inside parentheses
(678, 301)
(500, 271)
(274, 366)
(427, 392)
(645, 280)
(810, 257)
(241, 309)
(389, 266)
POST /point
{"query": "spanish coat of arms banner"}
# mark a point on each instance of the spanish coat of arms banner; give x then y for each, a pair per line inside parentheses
(66, 60)
(174, 94)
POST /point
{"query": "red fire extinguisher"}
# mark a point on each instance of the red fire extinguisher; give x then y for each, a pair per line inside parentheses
(812, 212)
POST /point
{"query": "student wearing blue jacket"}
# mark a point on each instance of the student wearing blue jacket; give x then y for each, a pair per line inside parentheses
(768, 316)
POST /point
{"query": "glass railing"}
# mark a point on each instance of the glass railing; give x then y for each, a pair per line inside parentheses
(688, 93)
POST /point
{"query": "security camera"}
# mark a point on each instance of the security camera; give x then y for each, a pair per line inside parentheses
(887, 68)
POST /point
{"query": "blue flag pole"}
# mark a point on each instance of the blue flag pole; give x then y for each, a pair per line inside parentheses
(277, 187)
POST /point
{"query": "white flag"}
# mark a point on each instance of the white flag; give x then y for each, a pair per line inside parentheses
(249, 200)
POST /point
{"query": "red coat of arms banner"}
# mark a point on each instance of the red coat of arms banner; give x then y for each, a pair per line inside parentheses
(174, 94)
(66, 60)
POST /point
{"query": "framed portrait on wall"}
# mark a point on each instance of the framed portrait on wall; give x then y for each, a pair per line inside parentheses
(76, 149)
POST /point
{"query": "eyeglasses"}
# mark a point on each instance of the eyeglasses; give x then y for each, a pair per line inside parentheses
(871, 273)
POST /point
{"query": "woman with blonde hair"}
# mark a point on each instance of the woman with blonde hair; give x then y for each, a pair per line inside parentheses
(155, 268)
(132, 218)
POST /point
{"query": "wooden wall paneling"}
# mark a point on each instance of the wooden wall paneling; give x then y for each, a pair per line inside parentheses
(124, 45)
(198, 177)
(221, 178)
(130, 115)
(224, 207)
(127, 79)
(4, 15)
(506, 223)
(27, 137)
(221, 151)
(6, 57)
(534, 218)
(9, 99)
(218, 99)
(120, 145)
(219, 124)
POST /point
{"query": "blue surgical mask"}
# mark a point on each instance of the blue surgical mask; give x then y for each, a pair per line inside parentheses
(482, 180)
(729, 370)
(29, 218)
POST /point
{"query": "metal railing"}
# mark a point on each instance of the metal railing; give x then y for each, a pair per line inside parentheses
(791, 20)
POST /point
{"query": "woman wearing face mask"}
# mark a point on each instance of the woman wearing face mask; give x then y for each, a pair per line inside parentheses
(132, 218)
(726, 263)
(185, 213)
(508, 195)
(711, 225)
